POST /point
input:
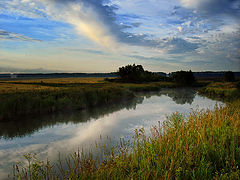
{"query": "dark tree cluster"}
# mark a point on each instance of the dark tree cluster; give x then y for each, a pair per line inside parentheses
(136, 73)
(229, 76)
(185, 78)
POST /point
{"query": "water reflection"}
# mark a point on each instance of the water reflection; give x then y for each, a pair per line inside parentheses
(25, 127)
(178, 95)
(181, 95)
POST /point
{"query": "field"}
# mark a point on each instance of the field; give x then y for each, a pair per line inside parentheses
(11, 86)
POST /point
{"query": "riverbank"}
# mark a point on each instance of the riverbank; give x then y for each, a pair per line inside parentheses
(227, 91)
(29, 98)
(204, 145)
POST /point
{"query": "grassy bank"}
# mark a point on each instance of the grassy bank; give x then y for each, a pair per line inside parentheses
(204, 145)
(21, 98)
(225, 90)
(15, 105)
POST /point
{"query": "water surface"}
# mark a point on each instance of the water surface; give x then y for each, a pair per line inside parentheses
(71, 131)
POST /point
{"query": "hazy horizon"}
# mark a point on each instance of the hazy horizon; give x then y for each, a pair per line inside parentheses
(98, 36)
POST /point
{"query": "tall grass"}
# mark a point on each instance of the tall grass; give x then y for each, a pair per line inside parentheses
(204, 145)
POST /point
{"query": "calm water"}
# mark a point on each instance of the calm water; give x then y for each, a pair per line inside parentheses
(69, 132)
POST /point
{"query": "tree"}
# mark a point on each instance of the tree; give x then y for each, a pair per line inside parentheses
(184, 77)
(229, 76)
(136, 73)
(131, 73)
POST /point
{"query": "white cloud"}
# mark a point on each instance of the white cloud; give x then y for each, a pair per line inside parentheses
(85, 20)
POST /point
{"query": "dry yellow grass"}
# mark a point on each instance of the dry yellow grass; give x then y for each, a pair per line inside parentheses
(11, 88)
(61, 80)
(35, 84)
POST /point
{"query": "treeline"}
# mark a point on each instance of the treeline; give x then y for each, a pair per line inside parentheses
(137, 74)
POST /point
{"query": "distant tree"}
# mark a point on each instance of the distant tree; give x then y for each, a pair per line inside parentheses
(136, 73)
(229, 76)
(183, 77)
(131, 72)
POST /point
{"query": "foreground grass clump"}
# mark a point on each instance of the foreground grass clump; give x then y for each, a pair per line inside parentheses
(225, 90)
(205, 145)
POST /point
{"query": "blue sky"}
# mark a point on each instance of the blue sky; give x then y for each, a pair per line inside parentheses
(101, 35)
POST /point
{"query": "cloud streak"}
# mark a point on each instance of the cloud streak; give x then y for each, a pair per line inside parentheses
(86, 18)
(19, 70)
(4, 35)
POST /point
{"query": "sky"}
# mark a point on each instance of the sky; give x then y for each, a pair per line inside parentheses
(102, 35)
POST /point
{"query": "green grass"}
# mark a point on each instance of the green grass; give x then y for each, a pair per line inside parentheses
(204, 145)
(15, 105)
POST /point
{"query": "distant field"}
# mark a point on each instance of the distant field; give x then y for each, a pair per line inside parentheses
(59, 80)
(44, 84)
(54, 84)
